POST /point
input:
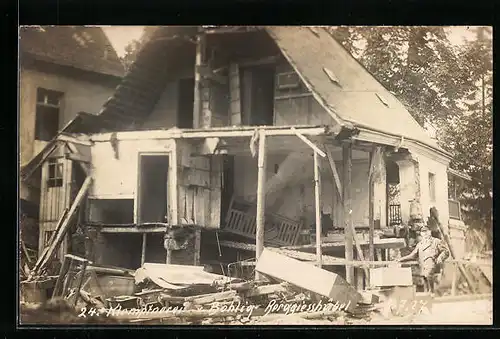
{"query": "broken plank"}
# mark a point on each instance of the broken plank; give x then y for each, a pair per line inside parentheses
(308, 143)
(64, 225)
(210, 298)
(264, 290)
(306, 276)
(335, 173)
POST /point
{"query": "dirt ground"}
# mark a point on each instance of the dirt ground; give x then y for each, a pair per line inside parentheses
(474, 312)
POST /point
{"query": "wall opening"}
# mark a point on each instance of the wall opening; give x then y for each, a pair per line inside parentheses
(227, 189)
(153, 194)
(257, 94)
(393, 193)
(47, 114)
(111, 211)
(122, 250)
(185, 102)
(432, 187)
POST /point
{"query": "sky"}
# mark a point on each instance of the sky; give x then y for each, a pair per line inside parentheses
(120, 36)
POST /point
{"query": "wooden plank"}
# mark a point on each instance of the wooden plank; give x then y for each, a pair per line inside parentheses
(391, 276)
(264, 290)
(335, 173)
(143, 249)
(308, 142)
(234, 94)
(173, 183)
(199, 58)
(470, 282)
(64, 226)
(197, 247)
(371, 207)
(347, 202)
(306, 276)
(317, 208)
(261, 197)
(132, 229)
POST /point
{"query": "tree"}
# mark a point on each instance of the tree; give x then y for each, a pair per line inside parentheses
(134, 47)
(446, 85)
(409, 60)
(470, 136)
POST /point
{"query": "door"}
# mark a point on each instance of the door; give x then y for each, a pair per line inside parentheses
(153, 194)
(185, 103)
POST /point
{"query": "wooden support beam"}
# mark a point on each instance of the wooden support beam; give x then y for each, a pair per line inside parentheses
(143, 251)
(261, 196)
(197, 247)
(173, 194)
(347, 204)
(308, 142)
(371, 206)
(317, 208)
(200, 47)
(335, 173)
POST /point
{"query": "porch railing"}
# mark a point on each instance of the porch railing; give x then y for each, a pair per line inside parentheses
(394, 214)
(278, 230)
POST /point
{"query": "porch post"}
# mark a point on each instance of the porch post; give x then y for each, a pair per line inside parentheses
(347, 203)
(200, 50)
(371, 205)
(317, 205)
(143, 252)
(261, 196)
(173, 196)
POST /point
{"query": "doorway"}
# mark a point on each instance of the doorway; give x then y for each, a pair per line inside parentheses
(258, 95)
(153, 193)
(185, 103)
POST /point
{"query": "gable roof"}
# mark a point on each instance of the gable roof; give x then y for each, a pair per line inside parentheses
(86, 48)
(342, 85)
(353, 94)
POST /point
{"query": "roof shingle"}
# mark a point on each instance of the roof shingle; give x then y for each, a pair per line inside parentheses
(86, 48)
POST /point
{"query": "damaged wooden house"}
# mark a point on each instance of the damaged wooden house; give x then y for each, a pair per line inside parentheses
(221, 141)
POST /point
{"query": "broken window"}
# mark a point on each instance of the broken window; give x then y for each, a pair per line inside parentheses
(47, 114)
(432, 187)
(55, 177)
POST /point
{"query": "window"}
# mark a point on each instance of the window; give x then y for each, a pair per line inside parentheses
(288, 80)
(55, 177)
(432, 187)
(47, 114)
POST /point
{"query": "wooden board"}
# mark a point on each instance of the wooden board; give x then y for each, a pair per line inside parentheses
(234, 94)
(391, 276)
(306, 276)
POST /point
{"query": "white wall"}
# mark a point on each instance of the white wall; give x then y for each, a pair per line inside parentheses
(117, 178)
(427, 165)
(78, 96)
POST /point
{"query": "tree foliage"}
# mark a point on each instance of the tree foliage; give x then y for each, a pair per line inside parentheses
(443, 84)
(134, 46)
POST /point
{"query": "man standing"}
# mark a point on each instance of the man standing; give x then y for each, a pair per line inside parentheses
(431, 253)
